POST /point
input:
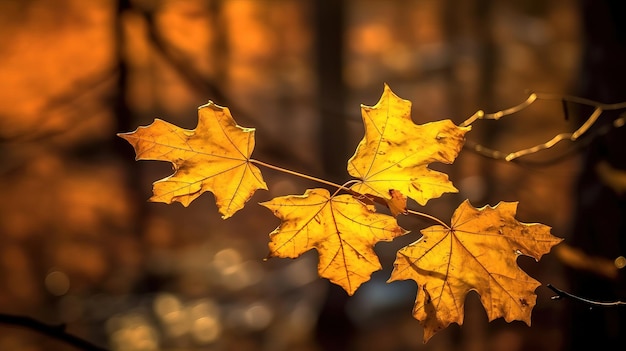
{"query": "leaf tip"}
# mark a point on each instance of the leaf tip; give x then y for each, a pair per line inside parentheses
(212, 105)
(126, 135)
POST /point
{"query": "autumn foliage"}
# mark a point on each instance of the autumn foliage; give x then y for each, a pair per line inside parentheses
(477, 251)
(214, 157)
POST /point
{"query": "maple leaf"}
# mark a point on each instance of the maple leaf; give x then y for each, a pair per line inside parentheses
(341, 228)
(478, 252)
(395, 153)
(215, 157)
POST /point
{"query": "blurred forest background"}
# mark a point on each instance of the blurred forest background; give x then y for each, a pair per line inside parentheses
(80, 245)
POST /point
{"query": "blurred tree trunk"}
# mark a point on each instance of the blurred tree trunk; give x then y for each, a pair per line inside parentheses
(599, 226)
(329, 30)
(462, 30)
(124, 120)
(334, 329)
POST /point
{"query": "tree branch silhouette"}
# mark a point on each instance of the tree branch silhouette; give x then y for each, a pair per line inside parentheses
(56, 332)
(560, 294)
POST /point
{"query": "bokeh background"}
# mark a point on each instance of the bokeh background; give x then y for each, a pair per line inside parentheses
(81, 246)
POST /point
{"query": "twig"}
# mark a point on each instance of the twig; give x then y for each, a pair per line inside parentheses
(562, 294)
(573, 137)
(480, 114)
(53, 331)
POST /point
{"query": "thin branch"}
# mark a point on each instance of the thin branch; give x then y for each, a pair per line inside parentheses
(480, 114)
(53, 331)
(560, 137)
(564, 294)
(581, 101)
(573, 137)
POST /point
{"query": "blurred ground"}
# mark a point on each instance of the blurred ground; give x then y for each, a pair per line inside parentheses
(80, 245)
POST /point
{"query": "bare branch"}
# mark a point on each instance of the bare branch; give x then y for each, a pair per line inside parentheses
(53, 331)
(573, 137)
(563, 294)
(480, 114)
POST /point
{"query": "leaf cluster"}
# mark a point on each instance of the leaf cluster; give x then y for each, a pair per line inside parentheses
(477, 251)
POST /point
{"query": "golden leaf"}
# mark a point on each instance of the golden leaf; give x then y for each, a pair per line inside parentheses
(341, 228)
(215, 157)
(395, 152)
(478, 252)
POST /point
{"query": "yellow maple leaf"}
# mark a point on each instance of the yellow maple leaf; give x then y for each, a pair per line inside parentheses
(215, 157)
(477, 252)
(395, 152)
(341, 228)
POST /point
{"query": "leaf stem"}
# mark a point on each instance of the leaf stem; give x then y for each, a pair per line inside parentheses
(342, 187)
(426, 215)
(301, 175)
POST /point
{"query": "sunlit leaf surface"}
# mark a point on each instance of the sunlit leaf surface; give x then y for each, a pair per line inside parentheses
(478, 252)
(342, 229)
(395, 153)
(215, 157)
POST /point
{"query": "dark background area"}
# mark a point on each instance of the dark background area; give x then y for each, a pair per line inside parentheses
(80, 245)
